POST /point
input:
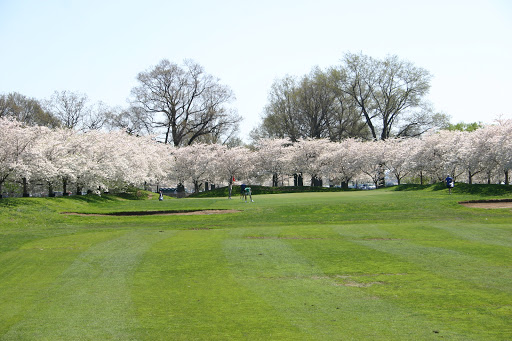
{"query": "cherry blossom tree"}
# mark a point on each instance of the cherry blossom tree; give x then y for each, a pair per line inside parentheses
(117, 159)
(398, 156)
(156, 159)
(50, 157)
(232, 164)
(16, 141)
(501, 147)
(371, 160)
(194, 163)
(436, 155)
(339, 161)
(269, 157)
(304, 158)
(471, 155)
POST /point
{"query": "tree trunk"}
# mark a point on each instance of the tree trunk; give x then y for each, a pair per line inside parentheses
(51, 193)
(298, 181)
(315, 181)
(64, 186)
(275, 180)
(1, 185)
(507, 179)
(197, 186)
(25, 188)
(381, 181)
(167, 134)
(421, 178)
(470, 178)
(180, 188)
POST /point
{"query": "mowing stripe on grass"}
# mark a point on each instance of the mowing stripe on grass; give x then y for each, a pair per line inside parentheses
(184, 290)
(448, 282)
(270, 262)
(29, 271)
(91, 299)
(398, 265)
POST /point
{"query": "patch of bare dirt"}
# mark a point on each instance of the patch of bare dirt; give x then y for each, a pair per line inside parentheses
(489, 204)
(145, 213)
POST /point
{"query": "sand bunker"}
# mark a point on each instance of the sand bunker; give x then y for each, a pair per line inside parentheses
(146, 213)
(489, 204)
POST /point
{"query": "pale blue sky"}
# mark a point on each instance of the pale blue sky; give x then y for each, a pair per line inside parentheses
(98, 46)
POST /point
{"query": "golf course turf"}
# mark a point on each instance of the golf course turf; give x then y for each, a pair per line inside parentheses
(392, 264)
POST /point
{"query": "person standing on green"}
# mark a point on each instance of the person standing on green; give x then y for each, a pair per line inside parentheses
(242, 190)
(247, 192)
(449, 183)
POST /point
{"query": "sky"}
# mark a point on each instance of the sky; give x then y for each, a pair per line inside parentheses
(98, 47)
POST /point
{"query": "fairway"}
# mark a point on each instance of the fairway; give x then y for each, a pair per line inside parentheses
(361, 265)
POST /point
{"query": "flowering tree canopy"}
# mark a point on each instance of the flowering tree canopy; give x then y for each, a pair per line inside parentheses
(57, 158)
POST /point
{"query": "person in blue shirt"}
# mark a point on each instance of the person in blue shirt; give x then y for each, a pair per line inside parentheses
(242, 190)
(449, 183)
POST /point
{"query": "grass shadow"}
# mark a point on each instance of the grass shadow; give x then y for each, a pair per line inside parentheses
(15, 202)
(410, 187)
(461, 188)
(92, 198)
(484, 190)
(88, 198)
(256, 189)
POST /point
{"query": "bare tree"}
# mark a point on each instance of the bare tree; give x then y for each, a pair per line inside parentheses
(69, 107)
(389, 94)
(97, 116)
(133, 120)
(184, 101)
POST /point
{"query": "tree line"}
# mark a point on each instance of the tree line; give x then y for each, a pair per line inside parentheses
(351, 110)
(182, 104)
(33, 157)
(362, 97)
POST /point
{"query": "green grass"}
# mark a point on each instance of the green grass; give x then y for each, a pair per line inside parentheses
(407, 263)
(255, 189)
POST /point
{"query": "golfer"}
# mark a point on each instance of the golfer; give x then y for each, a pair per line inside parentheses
(242, 190)
(449, 183)
(247, 192)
